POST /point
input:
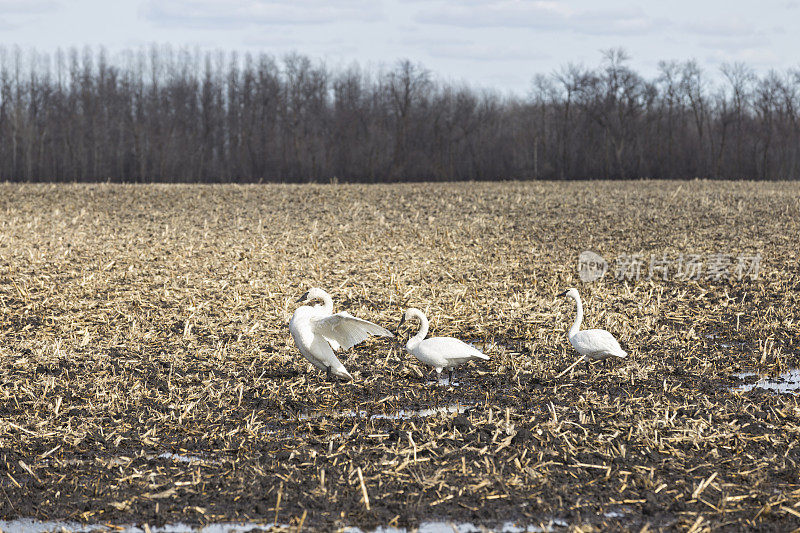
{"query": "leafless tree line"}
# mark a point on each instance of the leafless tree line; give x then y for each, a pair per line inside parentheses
(165, 115)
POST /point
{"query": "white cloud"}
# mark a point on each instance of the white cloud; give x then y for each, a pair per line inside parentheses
(17, 14)
(237, 13)
(721, 28)
(494, 14)
(476, 51)
(732, 39)
(27, 7)
(732, 44)
(759, 58)
(540, 15)
(283, 42)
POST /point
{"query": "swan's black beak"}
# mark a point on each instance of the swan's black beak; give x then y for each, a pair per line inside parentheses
(402, 321)
(303, 298)
(559, 295)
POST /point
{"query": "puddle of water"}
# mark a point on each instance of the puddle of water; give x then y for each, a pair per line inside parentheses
(395, 415)
(422, 413)
(444, 381)
(122, 460)
(29, 525)
(467, 527)
(786, 383)
(725, 344)
(732, 345)
(614, 514)
(184, 458)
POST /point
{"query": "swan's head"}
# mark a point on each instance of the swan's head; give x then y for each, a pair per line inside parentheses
(569, 293)
(313, 294)
(408, 315)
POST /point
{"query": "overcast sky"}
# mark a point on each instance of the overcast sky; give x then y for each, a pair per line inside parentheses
(497, 44)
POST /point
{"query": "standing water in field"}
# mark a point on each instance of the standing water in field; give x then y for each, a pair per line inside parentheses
(400, 414)
(786, 383)
(30, 525)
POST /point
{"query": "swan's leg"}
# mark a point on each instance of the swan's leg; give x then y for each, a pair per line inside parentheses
(586, 360)
(329, 376)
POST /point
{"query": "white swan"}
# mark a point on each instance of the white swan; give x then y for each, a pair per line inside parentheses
(591, 343)
(317, 332)
(439, 352)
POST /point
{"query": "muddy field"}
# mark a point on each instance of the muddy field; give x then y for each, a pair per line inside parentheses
(147, 375)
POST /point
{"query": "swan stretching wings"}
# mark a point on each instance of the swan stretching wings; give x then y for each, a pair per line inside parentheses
(439, 352)
(317, 332)
(591, 343)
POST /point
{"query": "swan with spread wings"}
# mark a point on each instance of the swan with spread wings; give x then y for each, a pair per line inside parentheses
(318, 333)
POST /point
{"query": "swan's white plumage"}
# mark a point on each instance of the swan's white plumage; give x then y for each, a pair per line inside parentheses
(438, 352)
(597, 344)
(345, 331)
(317, 332)
(445, 352)
(591, 343)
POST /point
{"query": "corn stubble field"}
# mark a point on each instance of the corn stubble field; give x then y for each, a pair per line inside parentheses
(147, 375)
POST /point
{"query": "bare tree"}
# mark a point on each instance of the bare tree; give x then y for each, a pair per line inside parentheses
(182, 115)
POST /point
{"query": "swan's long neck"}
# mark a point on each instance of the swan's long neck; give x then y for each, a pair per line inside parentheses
(578, 318)
(327, 303)
(423, 329)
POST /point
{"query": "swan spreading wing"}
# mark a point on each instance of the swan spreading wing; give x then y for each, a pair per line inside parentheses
(343, 330)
